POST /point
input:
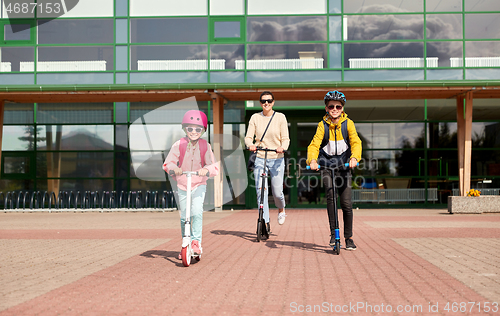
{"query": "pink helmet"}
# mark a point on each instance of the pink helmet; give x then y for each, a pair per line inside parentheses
(195, 117)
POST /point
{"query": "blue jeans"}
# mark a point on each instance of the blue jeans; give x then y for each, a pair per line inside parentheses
(197, 199)
(276, 168)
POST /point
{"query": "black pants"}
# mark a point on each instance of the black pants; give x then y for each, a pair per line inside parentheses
(343, 182)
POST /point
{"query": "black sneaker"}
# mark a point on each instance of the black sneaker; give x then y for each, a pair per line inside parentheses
(332, 241)
(268, 228)
(349, 244)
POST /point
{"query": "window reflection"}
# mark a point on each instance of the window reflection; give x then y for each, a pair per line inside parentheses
(285, 56)
(229, 53)
(73, 31)
(18, 113)
(385, 27)
(84, 164)
(482, 54)
(18, 138)
(74, 113)
(444, 26)
(66, 58)
(482, 5)
(379, 6)
(172, 57)
(482, 25)
(293, 28)
(335, 28)
(385, 55)
(168, 30)
(391, 135)
(443, 6)
(449, 54)
(75, 137)
(11, 58)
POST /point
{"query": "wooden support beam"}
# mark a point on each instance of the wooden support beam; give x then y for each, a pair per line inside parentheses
(460, 142)
(218, 128)
(468, 141)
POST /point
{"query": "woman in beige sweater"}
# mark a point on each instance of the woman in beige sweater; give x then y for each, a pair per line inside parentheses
(276, 137)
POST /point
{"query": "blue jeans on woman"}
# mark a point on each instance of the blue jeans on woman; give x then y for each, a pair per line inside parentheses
(276, 169)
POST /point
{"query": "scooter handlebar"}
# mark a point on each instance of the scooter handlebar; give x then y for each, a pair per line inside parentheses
(172, 173)
(346, 165)
(266, 149)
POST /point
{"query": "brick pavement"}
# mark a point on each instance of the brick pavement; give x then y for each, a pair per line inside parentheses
(125, 264)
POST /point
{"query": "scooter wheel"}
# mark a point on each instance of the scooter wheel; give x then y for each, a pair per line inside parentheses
(337, 247)
(186, 256)
(259, 231)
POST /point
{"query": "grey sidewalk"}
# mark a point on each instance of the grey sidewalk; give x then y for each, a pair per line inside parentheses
(125, 264)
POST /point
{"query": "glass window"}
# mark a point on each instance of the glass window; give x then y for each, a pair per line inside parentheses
(121, 7)
(485, 163)
(168, 77)
(265, 7)
(379, 6)
(335, 6)
(227, 7)
(227, 55)
(171, 57)
(154, 30)
(385, 27)
(75, 185)
(482, 25)
(16, 165)
(87, 78)
(168, 8)
(335, 28)
(442, 134)
(443, 6)
(293, 28)
(15, 79)
(448, 54)
(121, 137)
(229, 29)
(75, 31)
(286, 56)
(485, 134)
(482, 74)
(16, 185)
(383, 55)
(486, 109)
(482, 54)
(293, 76)
(121, 57)
(383, 75)
(75, 137)
(122, 164)
(121, 31)
(335, 55)
(84, 164)
(482, 5)
(18, 138)
(173, 114)
(18, 113)
(442, 109)
(391, 163)
(121, 112)
(444, 26)
(390, 135)
(16, 59)
(77, 58)
(384, 110)
(445, 74)
(121, 78)
(233, 76)
(17, 32)
(74, 113)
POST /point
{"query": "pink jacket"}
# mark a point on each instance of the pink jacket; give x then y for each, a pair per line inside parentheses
(191, 162)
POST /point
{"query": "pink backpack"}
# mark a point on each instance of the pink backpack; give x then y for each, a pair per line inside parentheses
(183, 146)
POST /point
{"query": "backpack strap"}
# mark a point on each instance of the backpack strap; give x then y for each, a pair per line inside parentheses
(343, 130)
(183, 147)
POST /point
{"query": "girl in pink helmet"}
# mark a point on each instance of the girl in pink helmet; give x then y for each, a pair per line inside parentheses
(192, 153)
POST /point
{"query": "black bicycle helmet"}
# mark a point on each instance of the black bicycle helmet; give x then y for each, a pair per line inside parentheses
(335, 96)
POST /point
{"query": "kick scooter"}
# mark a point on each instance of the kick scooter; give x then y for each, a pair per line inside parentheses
(187, 252)
(336, 245)
(262, 232)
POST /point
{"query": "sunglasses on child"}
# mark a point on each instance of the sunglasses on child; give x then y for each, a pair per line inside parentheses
(338, 107)
(196, 129)
(268, 101)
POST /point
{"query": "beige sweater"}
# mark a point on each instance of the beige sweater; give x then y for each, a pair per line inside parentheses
(276, 135)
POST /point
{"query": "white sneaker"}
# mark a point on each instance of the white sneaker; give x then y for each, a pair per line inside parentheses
(281, 217)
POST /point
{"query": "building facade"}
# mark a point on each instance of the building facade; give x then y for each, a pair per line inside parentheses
(75, 76)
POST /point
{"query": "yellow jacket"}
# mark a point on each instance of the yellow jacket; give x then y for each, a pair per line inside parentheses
(337, 145)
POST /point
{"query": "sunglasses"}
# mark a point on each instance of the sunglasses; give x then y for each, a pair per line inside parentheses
(268, 101)
(191, 129)
(338, 107)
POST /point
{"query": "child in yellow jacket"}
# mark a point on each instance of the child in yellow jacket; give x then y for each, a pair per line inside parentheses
(342, 145)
